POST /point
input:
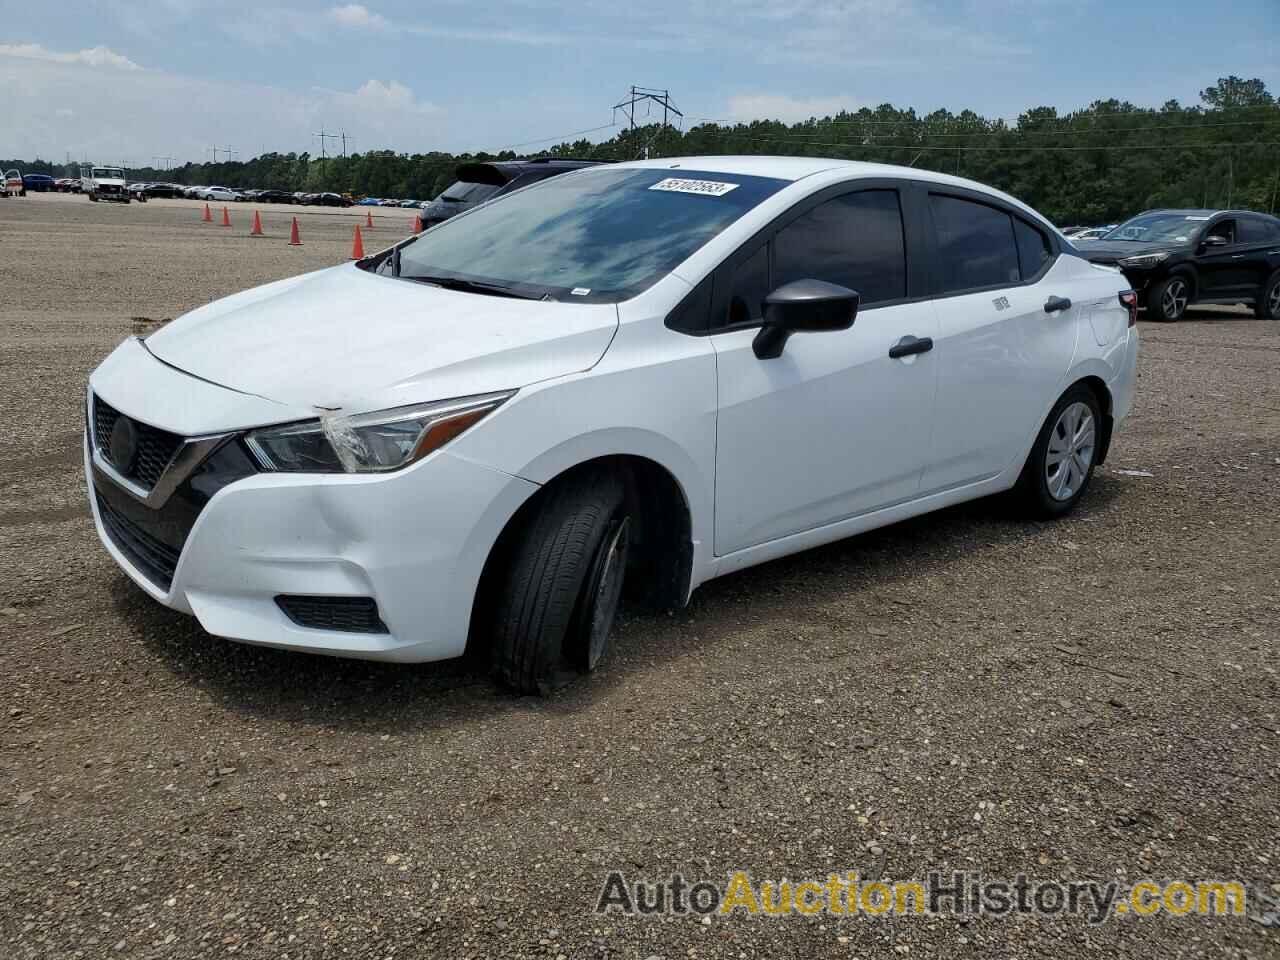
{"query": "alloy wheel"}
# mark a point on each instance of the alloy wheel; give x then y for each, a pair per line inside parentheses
(1273, 302)
(1070, 454)
(1175, 299)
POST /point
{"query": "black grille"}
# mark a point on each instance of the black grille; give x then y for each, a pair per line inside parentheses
(156, 559)
(155, 447)
(351, 614)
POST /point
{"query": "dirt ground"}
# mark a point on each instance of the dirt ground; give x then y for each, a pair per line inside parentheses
(1090, 699)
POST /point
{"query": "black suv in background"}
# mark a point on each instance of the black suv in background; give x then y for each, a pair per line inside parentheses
(1174, 258)
(478, 182)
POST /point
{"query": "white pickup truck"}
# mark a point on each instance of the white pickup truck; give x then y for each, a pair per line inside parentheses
(103, 183)
(11, 184)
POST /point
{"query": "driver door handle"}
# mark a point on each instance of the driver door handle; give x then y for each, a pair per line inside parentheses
(1054, 304)
(909, 345)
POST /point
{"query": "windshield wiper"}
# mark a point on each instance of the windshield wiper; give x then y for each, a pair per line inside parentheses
(472, 286)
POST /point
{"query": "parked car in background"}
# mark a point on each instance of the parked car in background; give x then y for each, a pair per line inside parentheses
(478, 182)
(191, 192)
(410, 203)
(167, 190)
(38, 182)
(67, 185)
(1090, 233)
(11, 184)
(275, 196)
(389, 202)
(331, 200)
(1175, 258)
(369, 202)
(138, 191)
(216, 193)
(642, 376)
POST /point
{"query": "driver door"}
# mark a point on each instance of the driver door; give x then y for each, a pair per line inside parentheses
(834, 427)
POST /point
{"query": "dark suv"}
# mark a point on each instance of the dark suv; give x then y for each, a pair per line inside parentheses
(478, 182)
(1175, 258)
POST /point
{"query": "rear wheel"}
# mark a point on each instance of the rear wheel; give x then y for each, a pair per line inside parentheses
(1060, 465)
(1169, 298)
(561, 583)
(1267, 306)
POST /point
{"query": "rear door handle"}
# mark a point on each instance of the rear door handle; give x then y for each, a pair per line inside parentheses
(909, 345)
(1054, 304)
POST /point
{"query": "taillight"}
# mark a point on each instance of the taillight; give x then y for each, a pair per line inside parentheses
(1129, 300)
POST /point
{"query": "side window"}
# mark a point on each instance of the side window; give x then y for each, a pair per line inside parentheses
(1226, 229)
(749, 288)
(975, 245)
(1253, 231)
(855, 240)
(1033, 248)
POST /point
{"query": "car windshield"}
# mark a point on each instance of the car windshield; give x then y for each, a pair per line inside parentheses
(600, 235)
(464, 192)
(108, 173)
(1158, 227)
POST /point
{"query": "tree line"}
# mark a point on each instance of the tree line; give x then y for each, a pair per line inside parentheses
(1096, 165)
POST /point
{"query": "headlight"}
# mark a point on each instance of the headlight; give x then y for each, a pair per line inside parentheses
(1144, 261)
(369, 442)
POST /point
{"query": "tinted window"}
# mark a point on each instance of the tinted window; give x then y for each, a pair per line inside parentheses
(855, 240)
(600, 235)
(750, 287)
(1226, 229)
(1033, 248)
(1255, 231)
(975, 245)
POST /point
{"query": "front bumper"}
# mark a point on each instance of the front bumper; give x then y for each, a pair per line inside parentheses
(226, 545)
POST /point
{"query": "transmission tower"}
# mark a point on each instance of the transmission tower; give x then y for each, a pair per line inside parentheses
(649, 95)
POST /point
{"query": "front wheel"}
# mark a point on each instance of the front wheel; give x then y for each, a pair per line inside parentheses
(1060, 465)
(1169, 298)
(561, 583)
(1267, 306)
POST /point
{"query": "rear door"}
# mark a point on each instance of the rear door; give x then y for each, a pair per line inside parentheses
(1001, 355)
(834, 427)
(1254, 257)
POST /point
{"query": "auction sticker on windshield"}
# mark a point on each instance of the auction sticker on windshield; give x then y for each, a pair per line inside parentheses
(707, 188)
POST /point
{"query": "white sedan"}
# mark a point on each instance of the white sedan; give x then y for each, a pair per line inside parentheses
(217, 193)
(648, 374)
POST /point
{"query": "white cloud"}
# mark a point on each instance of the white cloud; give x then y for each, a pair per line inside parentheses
(92, 57)
(776, 106)
(357, 15)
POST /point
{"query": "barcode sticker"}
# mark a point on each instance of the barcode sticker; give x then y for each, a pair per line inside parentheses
(706, 188)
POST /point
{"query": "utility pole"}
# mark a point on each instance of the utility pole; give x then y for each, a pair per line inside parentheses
(650, 95)
(164, 163)
(323, 137)
(344, 144)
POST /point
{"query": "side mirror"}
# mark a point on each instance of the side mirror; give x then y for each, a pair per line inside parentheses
(1213, 241)
(803, 306)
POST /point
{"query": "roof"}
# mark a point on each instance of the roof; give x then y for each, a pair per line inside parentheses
(498, 172)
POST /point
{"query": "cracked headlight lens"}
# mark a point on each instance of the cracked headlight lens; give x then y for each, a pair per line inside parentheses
(369, 442)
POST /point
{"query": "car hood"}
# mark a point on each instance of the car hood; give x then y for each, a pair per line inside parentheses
(344, 338)
(1109, 251)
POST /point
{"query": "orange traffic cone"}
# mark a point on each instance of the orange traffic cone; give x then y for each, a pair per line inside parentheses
(294, 240)
(257, 225)
(417, 223)
(208, 214)
(226, 218)
(357, 245)
(368, 219)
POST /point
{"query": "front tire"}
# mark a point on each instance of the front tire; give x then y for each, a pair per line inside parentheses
(561, 583)
(1061, 462)
(1267, 306)
(1170, 297)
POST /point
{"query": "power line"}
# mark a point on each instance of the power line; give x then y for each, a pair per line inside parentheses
(560, 138)
(1025, 147)
(1078, 117)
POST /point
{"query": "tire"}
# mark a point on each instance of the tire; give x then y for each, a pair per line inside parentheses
(1267, 306)
(1169, 298)
(561, 583)
(93, 198)
(1044, 490)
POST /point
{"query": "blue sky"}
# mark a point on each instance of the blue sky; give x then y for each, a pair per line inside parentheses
(128, 81)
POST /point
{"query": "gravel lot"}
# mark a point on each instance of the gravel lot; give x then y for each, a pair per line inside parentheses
(1092, 699)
